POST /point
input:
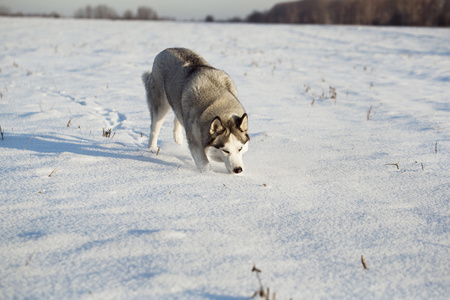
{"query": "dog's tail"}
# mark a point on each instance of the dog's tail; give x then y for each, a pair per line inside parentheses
(146, 77)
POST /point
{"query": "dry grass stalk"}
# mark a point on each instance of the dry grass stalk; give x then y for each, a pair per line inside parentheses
(363, 262)
(333, 94)
(369, 112)
(157, 151)
(261, 292)
(68, 123)
(307, 88)
(28, 142)
(1, 132)
(53, 172)
(435, 148)
(396, 164)
(27, 263)
(107, 133)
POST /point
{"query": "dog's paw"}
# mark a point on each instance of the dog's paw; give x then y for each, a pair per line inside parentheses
(205, 168)
(154, 149)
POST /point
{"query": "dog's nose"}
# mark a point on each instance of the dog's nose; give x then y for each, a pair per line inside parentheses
(237, 170)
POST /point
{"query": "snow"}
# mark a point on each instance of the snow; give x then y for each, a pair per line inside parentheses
(322, 186)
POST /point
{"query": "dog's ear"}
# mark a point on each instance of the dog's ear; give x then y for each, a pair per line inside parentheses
(242, 123)
(216, 127)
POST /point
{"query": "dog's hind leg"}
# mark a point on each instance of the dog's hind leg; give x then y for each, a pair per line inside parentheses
(157, 116)
(159, 107)
(177, 131)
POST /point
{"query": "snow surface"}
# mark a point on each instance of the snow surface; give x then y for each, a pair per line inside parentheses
(320, 189)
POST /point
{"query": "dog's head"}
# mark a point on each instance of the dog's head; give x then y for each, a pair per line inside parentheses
(229, 141)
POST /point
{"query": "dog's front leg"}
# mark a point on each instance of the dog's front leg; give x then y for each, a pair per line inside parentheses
(193, 136)
(200, 158)
(199, 155)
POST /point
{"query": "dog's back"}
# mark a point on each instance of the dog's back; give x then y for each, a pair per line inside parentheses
(172, 68)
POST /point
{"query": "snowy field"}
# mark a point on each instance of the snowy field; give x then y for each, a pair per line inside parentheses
(349, 156)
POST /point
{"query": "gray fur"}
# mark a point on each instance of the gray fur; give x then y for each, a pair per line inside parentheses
(198, 94)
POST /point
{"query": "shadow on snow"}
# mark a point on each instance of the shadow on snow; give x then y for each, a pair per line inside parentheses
(48, 144)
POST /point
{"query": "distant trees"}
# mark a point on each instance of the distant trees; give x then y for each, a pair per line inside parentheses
(98, 12)
(146, 13)
(364, 12)
(257, 17)
(128, 15)
(4, 11)
(106, 12)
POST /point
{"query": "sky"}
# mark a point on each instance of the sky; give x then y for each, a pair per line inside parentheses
(179, 9)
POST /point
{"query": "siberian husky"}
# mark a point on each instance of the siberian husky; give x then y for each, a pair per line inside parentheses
(204, 101)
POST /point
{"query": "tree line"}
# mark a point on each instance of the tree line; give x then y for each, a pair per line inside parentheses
(93, 12)
(6, 11)
(106, 12)
(363, 12)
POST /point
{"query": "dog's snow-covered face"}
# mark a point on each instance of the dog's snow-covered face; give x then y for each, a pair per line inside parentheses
(229, 141)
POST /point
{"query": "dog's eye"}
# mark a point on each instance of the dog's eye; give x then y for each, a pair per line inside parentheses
(226, 151)
(240, 149)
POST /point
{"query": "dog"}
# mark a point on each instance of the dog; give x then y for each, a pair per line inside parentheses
(205, 103)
